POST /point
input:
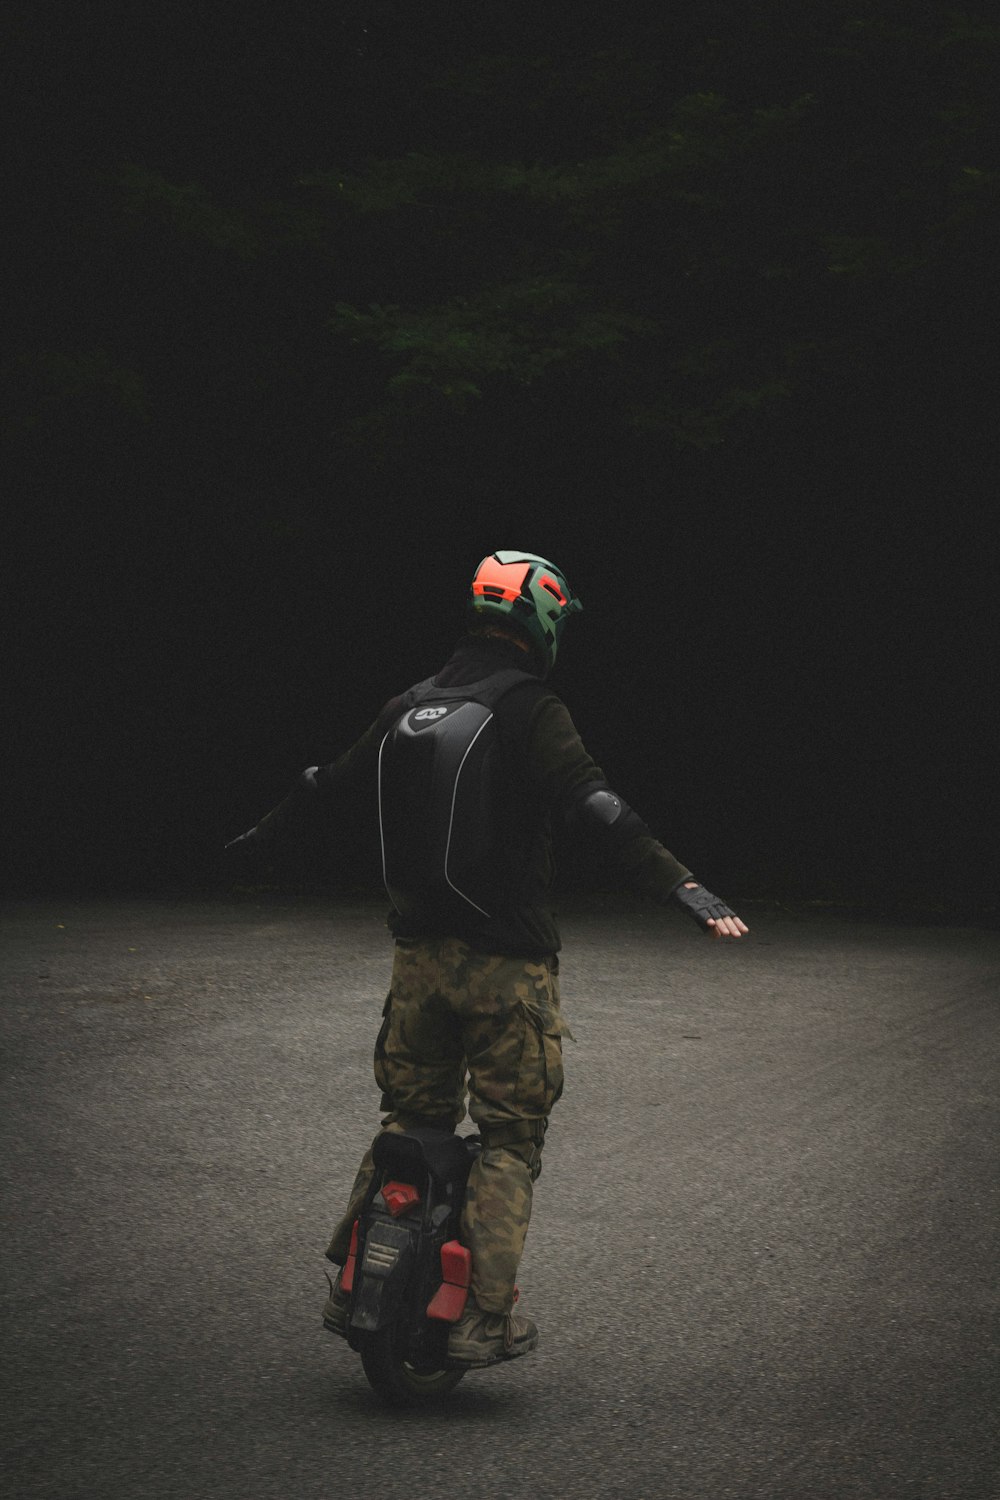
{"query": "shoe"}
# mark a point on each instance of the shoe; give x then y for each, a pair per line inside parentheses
(482, 1338)
(336, 1309)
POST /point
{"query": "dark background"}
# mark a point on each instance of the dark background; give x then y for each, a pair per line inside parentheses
(314, 309)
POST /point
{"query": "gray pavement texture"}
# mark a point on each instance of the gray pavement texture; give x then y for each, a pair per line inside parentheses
(764, 1256)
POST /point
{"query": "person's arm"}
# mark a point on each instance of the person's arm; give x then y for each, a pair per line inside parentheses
(561, 769)
(347, 773)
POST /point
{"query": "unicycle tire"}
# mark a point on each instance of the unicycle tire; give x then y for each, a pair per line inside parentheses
(394, 1379)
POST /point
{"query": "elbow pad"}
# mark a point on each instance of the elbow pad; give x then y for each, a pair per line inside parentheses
(599, 813)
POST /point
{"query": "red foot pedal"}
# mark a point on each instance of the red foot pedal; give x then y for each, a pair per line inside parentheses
(448, 1302)
(347, 1274)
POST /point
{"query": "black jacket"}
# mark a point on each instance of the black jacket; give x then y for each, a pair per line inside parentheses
(547, 761)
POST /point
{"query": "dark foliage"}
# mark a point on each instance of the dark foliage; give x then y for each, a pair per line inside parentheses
(312, 312)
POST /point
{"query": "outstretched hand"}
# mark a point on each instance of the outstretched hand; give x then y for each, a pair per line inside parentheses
(718, 920)
(727, 926)
(244, 842)
(243, 858)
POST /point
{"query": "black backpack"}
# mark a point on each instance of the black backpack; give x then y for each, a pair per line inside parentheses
(445, 800)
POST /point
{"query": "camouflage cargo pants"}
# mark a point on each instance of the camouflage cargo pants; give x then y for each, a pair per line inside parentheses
(457, 1018)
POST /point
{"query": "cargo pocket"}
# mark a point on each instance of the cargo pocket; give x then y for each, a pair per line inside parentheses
(540, 1077)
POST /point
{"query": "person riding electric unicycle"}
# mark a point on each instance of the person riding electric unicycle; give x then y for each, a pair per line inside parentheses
(472, 767)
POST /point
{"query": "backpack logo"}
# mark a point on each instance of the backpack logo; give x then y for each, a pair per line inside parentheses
(430, 713)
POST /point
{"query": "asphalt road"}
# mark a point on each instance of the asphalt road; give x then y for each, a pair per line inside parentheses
(764, 1259)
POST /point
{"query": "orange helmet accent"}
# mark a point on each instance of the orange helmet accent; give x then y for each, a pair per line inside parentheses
(531, 593)
(546, 581)
(505, 580)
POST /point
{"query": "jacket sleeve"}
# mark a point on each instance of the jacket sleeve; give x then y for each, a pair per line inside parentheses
(349, 772)
(345, 775)
(563, 773)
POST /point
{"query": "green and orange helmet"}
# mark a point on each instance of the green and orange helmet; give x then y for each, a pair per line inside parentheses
(528, 591)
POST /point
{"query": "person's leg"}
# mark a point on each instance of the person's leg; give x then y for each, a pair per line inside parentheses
(497, 1211)
(512, 1030)
(419, 1064)
(340, 1242)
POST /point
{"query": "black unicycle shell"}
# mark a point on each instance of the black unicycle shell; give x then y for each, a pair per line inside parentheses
(404, 1354)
